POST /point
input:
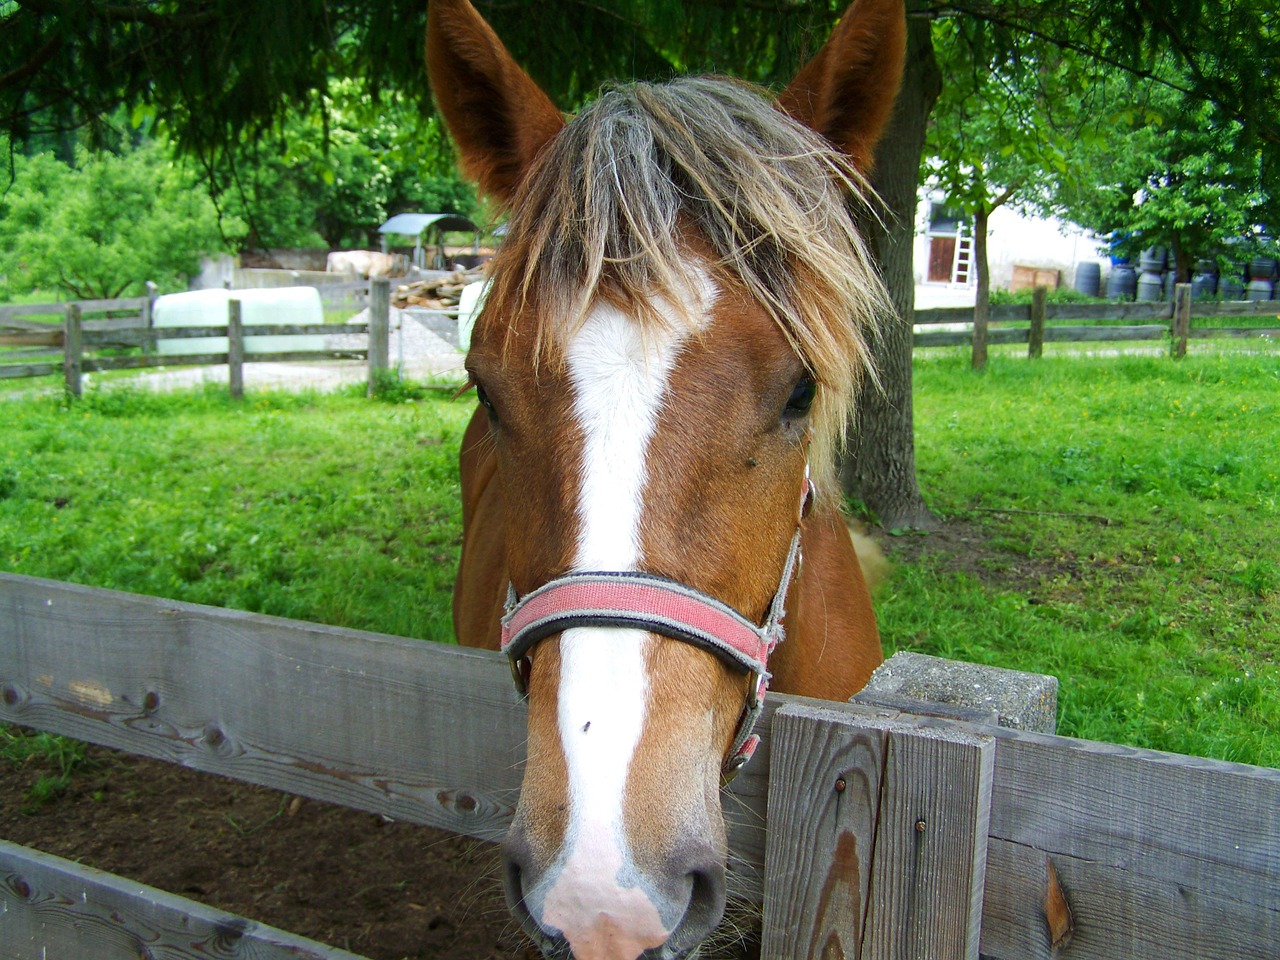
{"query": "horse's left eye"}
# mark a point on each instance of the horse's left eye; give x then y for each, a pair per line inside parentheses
(801, 398)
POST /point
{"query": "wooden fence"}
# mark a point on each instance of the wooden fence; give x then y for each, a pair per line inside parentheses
(1175, 320)
(92, 326)
(862, 832)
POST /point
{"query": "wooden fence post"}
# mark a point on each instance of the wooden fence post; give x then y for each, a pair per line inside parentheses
(73, 349)
(379, 329)
(149, 319)
(235, 350)
(877, 838)
(1181, 319)
(1035, 337)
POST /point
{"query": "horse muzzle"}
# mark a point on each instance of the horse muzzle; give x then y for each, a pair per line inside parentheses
(595, 904)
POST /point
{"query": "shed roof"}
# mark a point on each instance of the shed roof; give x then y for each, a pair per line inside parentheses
(412, 224)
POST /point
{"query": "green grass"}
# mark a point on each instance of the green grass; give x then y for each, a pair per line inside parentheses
(1162, 624)
(332, 509)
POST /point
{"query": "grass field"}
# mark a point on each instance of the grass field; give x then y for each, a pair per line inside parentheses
(1113, 522)
(1144, 568)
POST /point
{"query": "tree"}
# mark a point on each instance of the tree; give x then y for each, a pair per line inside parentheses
(105, 226)
(1171, 173)
(336, 171)
(1001, 135)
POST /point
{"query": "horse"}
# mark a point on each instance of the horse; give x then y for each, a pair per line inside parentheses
(678, 324)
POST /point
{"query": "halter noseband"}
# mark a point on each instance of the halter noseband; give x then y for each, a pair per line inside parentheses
(645, 601)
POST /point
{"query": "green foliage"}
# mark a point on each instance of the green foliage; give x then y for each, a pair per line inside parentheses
(104, 226)
(1170, 173)
(334, 173)
(1058, 295)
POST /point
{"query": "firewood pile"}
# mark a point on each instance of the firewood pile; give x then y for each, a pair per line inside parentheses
(437, 290)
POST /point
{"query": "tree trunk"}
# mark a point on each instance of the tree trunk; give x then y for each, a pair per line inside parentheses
(982, 296)
(880, 466)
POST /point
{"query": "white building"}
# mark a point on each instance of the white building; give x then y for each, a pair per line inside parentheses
(1022, 251)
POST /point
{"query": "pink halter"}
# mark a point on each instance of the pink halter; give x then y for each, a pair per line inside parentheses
(645, 601)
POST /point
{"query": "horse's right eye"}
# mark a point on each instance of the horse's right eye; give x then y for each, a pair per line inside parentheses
(801, 398)
(485, 402)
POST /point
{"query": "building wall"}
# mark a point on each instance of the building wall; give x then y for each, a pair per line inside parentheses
(1016, 239)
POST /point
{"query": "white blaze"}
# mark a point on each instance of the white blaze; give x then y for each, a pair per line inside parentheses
(619, 373)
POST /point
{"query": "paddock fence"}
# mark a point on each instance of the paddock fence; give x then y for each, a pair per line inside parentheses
(860, 831)
(100, 335)
(1170, 319)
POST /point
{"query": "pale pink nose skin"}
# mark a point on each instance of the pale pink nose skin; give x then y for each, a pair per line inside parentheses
(595, 906)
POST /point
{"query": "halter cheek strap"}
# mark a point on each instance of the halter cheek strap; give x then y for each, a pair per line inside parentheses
(666, 607)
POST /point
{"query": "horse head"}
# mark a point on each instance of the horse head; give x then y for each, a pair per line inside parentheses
(666, 359)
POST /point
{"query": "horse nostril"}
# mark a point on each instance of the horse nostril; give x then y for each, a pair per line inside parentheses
(705, 910)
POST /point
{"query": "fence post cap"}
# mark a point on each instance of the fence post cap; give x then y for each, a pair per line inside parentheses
(1022, 701)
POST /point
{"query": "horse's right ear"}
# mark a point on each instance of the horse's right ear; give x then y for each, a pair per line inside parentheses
(498, 116)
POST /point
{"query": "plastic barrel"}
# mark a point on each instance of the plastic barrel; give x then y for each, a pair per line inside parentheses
(1259, 290)
(1231, 287)
(1153, 260)
(1088, 278)
(1123, 282)
(1262, 268)
(1204, 285)
(1150, 286)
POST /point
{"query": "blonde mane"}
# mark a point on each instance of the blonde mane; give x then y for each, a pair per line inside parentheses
(648, 173)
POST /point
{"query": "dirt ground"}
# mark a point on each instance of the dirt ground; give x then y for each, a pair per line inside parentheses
(388, 891)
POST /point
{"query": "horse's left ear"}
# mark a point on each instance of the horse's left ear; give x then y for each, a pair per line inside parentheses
(847, 92)
(499, 118)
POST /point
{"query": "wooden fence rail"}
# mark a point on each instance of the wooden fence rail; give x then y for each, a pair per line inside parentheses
(878, 832)
(1176, 317)
(45, 350)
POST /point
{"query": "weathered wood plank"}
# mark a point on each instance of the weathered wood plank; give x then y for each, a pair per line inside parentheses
(9, 311)
(115, 323)
(379, 350)
(434, 734)
(1207, 825)
(216, 359)
(28, 353)
(931, 846)
(1119, 915)
(105, 306)
(1237, 333)
(400, 727)
(422, 732)
(1181, 325)
(53, 908)
(1039, 313)
(824, 799)
(1146, 331)
(1108, 311)
(46, 337)
(235, 351)
(1235, 308)
(73, 350)
(17, 371)
(948, 338)
(262, 330)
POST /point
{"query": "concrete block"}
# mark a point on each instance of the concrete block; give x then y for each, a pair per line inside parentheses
(1021, 701)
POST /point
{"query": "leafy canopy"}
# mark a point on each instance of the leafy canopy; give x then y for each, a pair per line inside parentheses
(104, 226)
